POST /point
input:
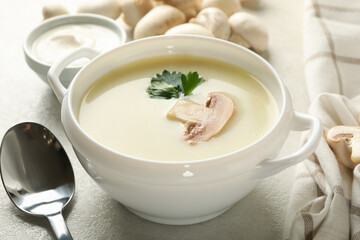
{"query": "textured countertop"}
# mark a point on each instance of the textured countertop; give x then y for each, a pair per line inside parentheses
(94, 215)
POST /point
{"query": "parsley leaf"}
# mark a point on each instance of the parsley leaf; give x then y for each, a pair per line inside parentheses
(173, 78)
(162, 90)
(190, 82)
(169, 85)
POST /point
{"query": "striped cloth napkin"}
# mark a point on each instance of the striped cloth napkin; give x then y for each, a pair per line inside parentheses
(325, 200)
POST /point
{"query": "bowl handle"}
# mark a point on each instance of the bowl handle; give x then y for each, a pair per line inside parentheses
(61, 64)
(302, 122)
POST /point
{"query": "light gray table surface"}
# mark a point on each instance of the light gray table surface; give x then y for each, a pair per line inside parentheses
(94, 215)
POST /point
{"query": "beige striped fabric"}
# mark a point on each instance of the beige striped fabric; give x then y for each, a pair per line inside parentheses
(332, 46)
(325, 200)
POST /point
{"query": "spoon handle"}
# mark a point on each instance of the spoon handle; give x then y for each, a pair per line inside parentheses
(59, 226)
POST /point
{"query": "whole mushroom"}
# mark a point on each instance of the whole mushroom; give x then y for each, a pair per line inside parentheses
(250, 29)
(158, 20)
(189, 7)
(134, 10)
(238, 39)
(108, 8)
(189, 28)
(227, 6)
(54, 9)
(215, 20)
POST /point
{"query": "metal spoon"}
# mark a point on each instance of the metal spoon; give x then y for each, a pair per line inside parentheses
(37, 174)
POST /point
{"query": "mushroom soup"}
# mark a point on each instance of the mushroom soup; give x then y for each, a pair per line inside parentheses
(229, 110)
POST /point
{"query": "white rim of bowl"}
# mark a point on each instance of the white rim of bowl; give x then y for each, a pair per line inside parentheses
(193, 162)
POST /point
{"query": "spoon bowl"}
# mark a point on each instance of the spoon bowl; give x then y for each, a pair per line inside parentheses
(37, 174)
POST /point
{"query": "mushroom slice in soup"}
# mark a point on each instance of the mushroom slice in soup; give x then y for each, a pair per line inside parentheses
(202, 122)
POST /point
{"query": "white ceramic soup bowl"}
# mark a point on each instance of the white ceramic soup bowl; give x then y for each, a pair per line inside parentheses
(180, 192)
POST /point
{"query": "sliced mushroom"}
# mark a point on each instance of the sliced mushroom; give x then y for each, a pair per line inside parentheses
(202, 122)
(215, 20)
(345, 143)
(158, 20)
(186, 111)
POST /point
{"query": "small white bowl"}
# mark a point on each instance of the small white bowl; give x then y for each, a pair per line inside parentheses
(40, 67)
(164, 192)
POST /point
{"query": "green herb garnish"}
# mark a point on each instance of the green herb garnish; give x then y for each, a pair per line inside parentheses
(190, 82)
(170, 85)
(163, 90)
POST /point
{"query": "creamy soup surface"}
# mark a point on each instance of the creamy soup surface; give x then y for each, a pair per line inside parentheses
(118, 112)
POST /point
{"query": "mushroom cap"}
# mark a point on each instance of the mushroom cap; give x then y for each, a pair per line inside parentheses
(108, 8)
(134, 10)
(251, 29)
(215, 20)
(177, 3)
(189, 28)
(189, 7)
(238, 39)
(158, 20)
(54, 9)
(227, 6)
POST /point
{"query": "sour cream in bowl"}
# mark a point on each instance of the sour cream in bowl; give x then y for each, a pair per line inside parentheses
(59, 36)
